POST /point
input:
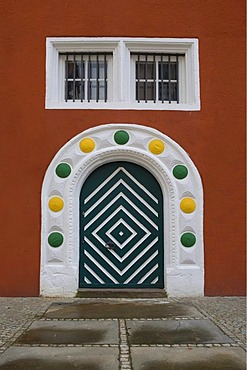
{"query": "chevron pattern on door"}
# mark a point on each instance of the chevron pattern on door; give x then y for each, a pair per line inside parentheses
(121, 228)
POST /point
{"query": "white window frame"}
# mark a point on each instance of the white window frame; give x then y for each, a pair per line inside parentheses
(121, 71)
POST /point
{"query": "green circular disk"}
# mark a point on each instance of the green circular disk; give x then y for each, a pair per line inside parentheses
(180, 171)
(63, 170)
(188, 240)
(55, 239)
(121, 137)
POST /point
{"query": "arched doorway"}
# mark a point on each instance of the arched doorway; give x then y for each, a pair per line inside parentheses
(182, 195)
(121, 228)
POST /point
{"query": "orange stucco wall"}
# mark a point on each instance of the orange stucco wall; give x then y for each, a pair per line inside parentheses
(214, 137)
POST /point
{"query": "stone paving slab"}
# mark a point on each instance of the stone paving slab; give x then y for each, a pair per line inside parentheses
(61, 332)
(175, 332)
(188, 358)
(18, 358)
(118, 309)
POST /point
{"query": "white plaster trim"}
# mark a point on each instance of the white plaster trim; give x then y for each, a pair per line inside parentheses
(60, 266)
(122, 96)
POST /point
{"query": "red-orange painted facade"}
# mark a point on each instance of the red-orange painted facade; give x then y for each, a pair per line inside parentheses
(214, 137)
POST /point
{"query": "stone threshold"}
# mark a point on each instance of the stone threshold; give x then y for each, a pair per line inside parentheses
(121, 293)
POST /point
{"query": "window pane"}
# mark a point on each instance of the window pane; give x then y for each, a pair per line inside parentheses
(77, 90)
(93, 70)
(141, 91)
(102, 91)
(93, 90)
(173, 87)
(141, 70)
(88, 72)
(173, 71)
(78, 71)
(102, 70)
(70, 69)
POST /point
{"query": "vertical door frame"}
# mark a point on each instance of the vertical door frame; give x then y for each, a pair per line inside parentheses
(156, 152)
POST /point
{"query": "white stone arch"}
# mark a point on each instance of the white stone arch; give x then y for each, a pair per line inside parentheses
(183, 266)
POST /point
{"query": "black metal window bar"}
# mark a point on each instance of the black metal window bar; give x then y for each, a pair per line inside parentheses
(157, 77)
(86, 76)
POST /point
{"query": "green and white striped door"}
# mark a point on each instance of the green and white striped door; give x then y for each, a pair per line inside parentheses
(121, 228)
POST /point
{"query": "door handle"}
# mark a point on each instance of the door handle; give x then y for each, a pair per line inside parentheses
(110, 245)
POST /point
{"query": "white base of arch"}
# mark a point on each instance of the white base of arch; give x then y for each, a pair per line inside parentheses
(183, 267)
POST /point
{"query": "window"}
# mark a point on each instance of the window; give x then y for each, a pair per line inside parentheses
(122, 73)
(85, 76)
(157, 77)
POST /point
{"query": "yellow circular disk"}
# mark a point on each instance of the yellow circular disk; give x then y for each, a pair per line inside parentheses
(156, 146)
(87, 145)
(188, 205)
(56, 204)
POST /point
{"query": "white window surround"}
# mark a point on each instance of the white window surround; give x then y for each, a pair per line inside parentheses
(122, 71)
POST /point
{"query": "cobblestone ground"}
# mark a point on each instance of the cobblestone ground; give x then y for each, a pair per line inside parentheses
(17, 314)
(229, 313)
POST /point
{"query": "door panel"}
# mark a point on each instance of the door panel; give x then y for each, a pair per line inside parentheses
(121, 228)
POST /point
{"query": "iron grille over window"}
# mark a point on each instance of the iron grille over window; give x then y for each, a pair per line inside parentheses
(86, 76)
(157, 77)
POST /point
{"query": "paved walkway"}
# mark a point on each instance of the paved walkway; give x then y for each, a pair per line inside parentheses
(140, 334)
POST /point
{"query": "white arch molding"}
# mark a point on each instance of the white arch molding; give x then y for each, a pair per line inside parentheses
(183, 266)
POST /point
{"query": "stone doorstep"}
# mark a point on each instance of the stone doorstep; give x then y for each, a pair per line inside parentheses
(121, 293)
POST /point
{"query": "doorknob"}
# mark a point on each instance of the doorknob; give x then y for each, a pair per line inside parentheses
(110, 245)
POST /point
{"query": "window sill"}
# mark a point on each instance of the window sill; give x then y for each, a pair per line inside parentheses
(124, 106)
